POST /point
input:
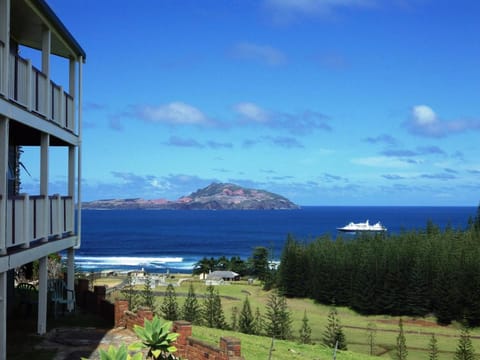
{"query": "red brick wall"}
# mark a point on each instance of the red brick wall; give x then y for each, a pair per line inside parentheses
(187, 346)
(121, 307)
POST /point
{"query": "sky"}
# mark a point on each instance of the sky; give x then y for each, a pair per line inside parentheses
(326, 102)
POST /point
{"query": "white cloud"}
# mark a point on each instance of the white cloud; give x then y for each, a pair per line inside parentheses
(425, 122)
(381, 161)
(262, 53)
(251, 111)
(176, 113)
(300, 124)
(424, 115)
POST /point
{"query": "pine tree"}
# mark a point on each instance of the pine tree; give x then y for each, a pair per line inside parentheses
(402, 352)
(446, 295)
(246, 321)
(191, 308)
(417, 303)
(169, 306)
(234, 319)
(212, 313)
(259, 263)
(292, 269)
(433, 348)
(277, 318)
(147, 293)
(130, 294)
(333, 334)
(258, 323)
(465, 349)
(305, 331)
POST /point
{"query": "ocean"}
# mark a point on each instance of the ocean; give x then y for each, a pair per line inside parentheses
(172, 241)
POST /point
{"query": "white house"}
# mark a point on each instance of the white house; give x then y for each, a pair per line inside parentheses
(38, 112)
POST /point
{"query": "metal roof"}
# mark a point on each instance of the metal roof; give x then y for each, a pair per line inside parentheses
(223, 274)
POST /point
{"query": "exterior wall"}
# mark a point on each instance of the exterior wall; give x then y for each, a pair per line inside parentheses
(187, 347)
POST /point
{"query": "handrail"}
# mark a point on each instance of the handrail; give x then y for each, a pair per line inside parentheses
(2, 64)
(56, 104)
(28, 221)
(18, 80)
(69, 112)
(30, 88)
(39, 104)
(36, 197)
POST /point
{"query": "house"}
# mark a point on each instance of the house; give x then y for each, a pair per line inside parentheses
(37, 112)
(223, 275)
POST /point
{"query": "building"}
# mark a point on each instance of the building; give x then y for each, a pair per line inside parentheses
(224, 275)
(39, 113)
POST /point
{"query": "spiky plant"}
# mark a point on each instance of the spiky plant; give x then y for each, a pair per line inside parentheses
(157, 338)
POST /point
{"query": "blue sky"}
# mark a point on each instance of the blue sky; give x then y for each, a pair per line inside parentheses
(327, 102)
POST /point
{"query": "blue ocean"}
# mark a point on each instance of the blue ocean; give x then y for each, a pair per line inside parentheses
(162, 241)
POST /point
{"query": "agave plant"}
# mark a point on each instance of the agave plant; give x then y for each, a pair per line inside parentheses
(157, 338)
(120, 353)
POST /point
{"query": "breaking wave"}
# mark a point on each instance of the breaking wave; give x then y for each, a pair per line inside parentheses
(124, 263)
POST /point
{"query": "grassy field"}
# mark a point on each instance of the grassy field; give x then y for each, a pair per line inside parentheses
(417, 331)
(258, 347)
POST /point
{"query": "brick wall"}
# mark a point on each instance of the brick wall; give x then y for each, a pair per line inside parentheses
(187, 347)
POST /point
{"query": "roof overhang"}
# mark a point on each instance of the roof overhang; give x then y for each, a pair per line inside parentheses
(30, 17)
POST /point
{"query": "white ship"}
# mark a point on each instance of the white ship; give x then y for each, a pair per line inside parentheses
(365, 226)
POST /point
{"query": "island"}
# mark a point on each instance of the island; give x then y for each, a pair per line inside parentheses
(216, 196)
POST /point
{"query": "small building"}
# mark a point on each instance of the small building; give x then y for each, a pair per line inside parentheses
(223, 275)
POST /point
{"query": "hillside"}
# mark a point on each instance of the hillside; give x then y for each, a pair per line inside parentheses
(216, 196)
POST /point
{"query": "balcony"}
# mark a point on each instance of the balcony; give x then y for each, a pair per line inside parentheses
(29, 88)
(32, 218)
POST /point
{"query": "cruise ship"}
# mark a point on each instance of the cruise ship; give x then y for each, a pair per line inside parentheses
(365, 226)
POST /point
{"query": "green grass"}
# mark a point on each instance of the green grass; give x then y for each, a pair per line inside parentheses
(258, 347)
(417, 331)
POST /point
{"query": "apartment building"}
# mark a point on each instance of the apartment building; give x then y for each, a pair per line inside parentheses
(40, 113)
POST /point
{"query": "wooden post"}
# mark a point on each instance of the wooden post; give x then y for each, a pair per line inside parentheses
(42, 295)
(44, 160)
(4, 125)
(3, 315)
(70, 277)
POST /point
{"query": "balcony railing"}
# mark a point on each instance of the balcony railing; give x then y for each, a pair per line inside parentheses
(39, 101)
(2, 50)
(39, 217)
(30, 88)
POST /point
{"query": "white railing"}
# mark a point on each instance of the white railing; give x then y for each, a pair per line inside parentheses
(2, 50)
(18, 80)
(40, 88)
(38, 217)
(31, 218)
(56, 98)
(61, 215)
(69, 112)
(29, 87)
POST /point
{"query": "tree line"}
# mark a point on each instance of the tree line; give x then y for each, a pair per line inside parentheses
(413, 273)
(276, 321)
(257, 265)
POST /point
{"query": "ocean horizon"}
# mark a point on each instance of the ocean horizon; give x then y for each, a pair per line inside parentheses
(160, 241)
